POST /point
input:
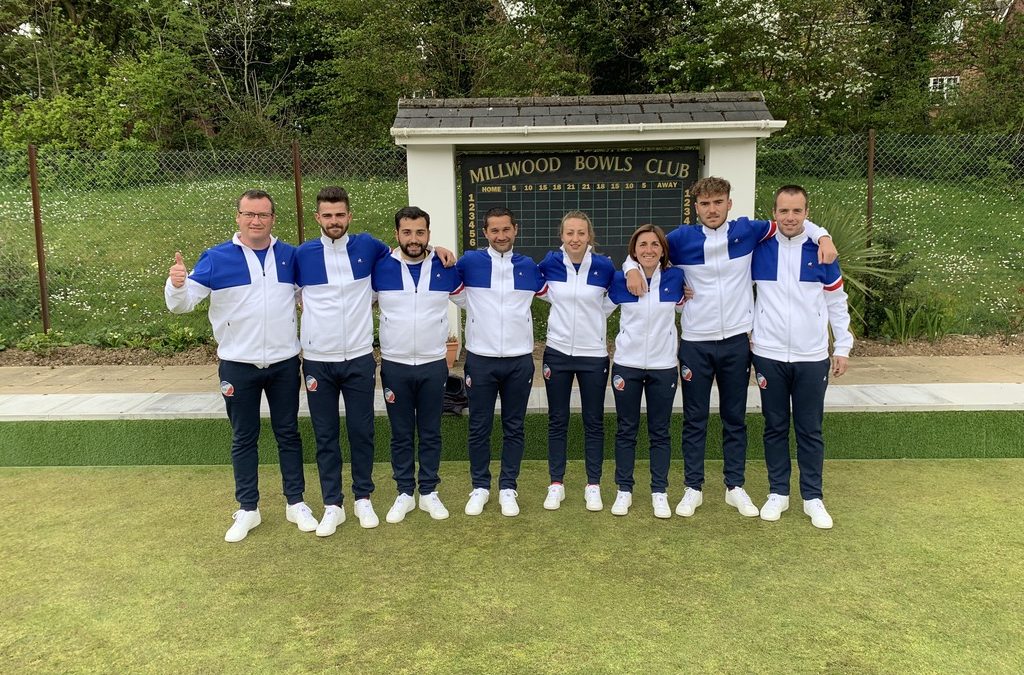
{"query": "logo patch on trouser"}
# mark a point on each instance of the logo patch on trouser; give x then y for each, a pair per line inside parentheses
(762, 381)
(547, 372)
(686, 373)
(227, 388)
(310, 383)
(389, 395)
(619, 383)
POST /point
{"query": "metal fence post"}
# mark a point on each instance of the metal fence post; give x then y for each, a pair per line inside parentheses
(871, 182)
(297, 172)
(44, 294)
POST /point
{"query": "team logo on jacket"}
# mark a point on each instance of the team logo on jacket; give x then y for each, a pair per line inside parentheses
(469, 381)
(685, 373)
(227, 388)
(311, 383)
(762, 381)
(389, 395)
(547, 372)
(619, 383)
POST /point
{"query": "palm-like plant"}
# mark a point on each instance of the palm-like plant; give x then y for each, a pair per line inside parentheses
(860, 262)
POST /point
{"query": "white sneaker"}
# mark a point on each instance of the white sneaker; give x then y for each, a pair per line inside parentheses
(773, 508)
(738, 498)
(556, 493)
(403, 505)
(623, 500)
(244, 521)
(592, 496)
(301, 515)
(432, 504)
(507, 500)
(815, 508)
(689, 503)
(477, 498)
(365, 514)
(333, 516)
(660, 502)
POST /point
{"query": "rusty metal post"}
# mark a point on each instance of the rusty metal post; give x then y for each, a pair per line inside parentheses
(44, 293)
(871, 182)
(297, 173)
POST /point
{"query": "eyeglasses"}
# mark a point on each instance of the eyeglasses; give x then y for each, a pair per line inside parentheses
(249, 215)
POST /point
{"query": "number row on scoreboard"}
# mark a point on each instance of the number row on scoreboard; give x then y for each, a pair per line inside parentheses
(577, 187)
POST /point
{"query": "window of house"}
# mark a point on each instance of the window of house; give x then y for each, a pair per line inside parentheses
(945, 85)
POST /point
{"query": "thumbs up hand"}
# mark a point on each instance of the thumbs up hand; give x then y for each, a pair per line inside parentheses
(178, 271)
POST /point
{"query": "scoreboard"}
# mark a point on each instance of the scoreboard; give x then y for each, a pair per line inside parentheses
(619, 190)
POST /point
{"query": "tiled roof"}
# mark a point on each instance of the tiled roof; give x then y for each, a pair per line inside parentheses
(568, 111)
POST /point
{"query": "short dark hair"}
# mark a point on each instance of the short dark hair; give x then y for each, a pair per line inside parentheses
(332, 194)
(255, 194)
(660, 234)
(710, 186)
(790, 190)
(499, 212)
(411, 213)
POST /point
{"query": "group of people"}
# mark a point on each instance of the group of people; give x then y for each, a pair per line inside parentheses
(705, 272)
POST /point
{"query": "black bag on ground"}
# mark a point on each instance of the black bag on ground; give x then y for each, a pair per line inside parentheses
(456, 399)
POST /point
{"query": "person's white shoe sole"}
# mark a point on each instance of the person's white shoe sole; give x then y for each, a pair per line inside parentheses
(242, 533)
(329, 528)
(553, 501)
(736, 505)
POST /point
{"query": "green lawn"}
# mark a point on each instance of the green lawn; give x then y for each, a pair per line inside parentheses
(124, 569)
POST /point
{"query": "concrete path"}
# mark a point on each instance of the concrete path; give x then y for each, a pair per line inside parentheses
(168, 392)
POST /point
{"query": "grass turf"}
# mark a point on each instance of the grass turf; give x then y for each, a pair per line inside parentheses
(124, 568)
(206, 441)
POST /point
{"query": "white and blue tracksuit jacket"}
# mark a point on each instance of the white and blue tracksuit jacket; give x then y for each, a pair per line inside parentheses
(337, 295)
(578, 321)
(252, 306)
(797, 299)
(647, 326)
(497, 292)
(413, 317)
(717, 266)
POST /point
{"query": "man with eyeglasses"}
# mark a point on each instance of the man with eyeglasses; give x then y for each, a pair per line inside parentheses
(250, 281)
(337, 351)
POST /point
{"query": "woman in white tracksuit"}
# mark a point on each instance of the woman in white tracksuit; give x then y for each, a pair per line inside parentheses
(645, 363)
(578, 281)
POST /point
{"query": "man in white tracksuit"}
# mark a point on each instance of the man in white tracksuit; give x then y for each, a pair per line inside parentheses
(798, 298)
(412, 289)
(250, 281)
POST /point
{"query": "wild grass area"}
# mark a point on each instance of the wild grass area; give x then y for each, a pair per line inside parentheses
(125, 569)
(108, 251)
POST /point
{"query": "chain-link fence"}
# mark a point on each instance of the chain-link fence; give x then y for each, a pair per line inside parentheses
(949, 209)
(113, 221)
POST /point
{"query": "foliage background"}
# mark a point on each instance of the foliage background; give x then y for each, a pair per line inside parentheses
(216, 74)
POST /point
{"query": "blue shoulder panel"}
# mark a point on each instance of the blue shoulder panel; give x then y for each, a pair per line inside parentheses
(744, 235)
(686, 245)
(618, 293)
(310, 263)
(284, 255)
(387, 275)
(444, 279)
(553, 267)
(812, 270)
(765, 264)
(222, 266)
(474, 269)
(363, 252)
(602, 271)
(671, 287)
(526, 275)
